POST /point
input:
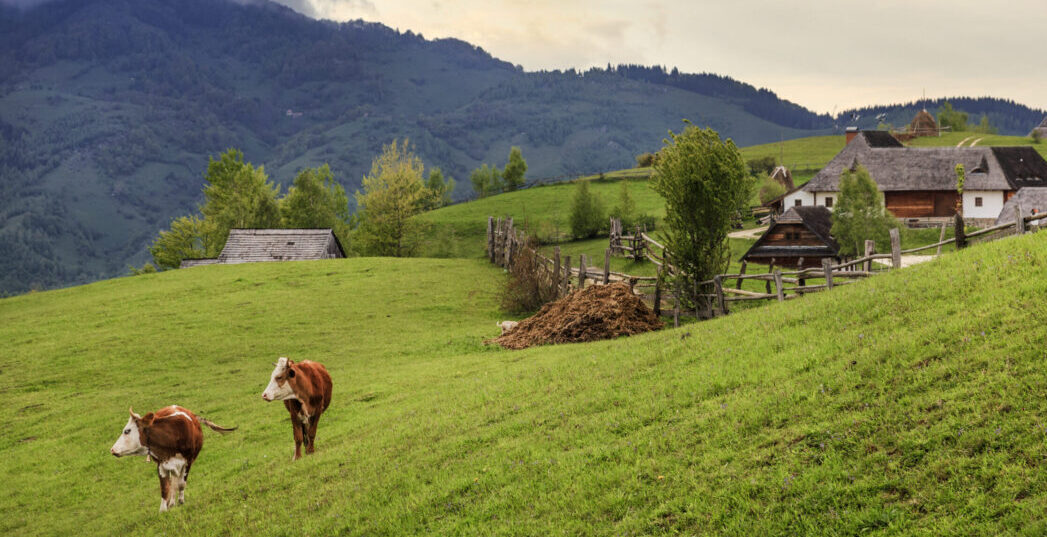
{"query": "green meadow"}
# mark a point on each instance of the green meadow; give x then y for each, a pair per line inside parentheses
(912, 403)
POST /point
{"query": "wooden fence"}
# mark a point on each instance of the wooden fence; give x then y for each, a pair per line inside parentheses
(503, 241)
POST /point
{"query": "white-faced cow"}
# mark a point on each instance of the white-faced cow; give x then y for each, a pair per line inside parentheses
(171, 437)
(305, 389)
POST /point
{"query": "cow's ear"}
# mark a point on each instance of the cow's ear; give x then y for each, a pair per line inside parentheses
(147, 420)
(290, 372)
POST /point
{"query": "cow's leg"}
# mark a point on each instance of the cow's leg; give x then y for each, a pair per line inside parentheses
(163, 491)
(296, 424)
(311, 447)
(185, 479)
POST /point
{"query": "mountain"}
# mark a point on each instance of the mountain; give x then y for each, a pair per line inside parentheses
(110, 109)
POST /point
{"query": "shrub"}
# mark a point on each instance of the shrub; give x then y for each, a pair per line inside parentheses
(587, 213)
(646, 160)
(769, 190)
(529, 284)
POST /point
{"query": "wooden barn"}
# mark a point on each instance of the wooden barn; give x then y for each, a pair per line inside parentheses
(259, 245)
(798, 238)
(920, 182)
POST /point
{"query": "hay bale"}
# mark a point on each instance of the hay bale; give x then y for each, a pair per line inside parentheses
(594, 313)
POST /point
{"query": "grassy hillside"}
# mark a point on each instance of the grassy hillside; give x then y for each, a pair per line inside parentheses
(911, 404)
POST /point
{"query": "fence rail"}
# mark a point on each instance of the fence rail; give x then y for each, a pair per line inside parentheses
(710, 297)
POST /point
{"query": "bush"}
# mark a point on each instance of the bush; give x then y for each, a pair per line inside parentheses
(530, 284)
(761, 166)
(769, 190)
(646, 160)
(587, 213)
(1036, 136)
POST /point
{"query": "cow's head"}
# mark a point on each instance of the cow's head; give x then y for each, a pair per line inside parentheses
(130, 440)
(279, 387)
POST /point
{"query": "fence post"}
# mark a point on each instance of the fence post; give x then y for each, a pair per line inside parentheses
(556, 269)
(490, 238)
(1019, 221)
(658, 292)
(870, 249)
(676, 303)
(721, 304)
(961, 233)
(566, 275)
(778, 285)
(581, 271)
(896, 247)
(941, 237)
(742, 272)
(607, 266)
(827, 266)
(509, 247)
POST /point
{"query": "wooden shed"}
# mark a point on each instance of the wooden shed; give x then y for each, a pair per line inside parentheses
(259, 245)
(798, 238)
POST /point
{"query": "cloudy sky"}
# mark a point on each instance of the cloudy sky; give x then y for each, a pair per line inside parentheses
(823, 54)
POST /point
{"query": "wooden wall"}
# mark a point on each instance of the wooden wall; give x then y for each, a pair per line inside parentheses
(920, 204)
(791, 235)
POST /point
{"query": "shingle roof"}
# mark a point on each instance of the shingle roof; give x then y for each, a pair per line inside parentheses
(817, 219)
(1030, 198)
(254, 245)
(899, 168)
(880, 139)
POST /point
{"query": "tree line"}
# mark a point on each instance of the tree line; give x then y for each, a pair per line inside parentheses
(239, 195)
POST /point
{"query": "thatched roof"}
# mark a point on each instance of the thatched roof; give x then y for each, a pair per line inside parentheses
(817, 219)
(254, 245)
(923, 124)
(1033, 200)
(1041, 129)
(899, 168)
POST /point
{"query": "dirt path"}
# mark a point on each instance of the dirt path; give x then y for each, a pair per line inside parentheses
(908, 260)
(747, 233)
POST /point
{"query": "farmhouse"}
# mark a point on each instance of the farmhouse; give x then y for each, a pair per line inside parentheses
(799, 238)
(257, 245)
(920, 182)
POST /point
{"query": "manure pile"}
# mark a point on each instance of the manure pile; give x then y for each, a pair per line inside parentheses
(590, 314)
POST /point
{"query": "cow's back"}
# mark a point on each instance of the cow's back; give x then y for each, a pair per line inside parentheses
(177, 430)
(320, 381)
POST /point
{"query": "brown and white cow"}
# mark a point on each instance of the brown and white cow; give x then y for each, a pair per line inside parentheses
(171, 437)
(305, 389)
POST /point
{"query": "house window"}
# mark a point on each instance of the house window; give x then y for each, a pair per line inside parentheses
(977, 202)
(828, 201)
(798, 202)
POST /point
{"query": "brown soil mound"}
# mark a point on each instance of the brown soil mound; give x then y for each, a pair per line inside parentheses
(597, 312)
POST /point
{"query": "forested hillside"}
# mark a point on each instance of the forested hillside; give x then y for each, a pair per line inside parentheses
(110, 109)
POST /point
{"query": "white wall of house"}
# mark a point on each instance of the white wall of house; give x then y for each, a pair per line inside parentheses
(806, 199)
(991, 203)
(826, 199)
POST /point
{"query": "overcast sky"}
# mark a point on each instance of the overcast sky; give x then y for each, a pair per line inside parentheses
(823, 54)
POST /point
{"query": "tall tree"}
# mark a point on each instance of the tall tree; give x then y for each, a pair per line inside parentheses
(393, 193)
(316, 200)
(237, 195)
(625, 210)
(439, 190)
(949, 117)
(515, 169)
(859, 214)
(704, 181)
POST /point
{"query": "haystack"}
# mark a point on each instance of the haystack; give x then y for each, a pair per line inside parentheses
(596, 312)
(923, 124)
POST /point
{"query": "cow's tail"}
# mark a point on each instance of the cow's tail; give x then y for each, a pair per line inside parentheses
(215, 427)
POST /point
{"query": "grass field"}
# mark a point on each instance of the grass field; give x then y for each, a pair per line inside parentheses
(911, 403)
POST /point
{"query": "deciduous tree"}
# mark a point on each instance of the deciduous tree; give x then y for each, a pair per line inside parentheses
(703, 181)
(393, 193)
(316, 200)
(237, 195)
(859, 214)
(587, 212)
(515, 169)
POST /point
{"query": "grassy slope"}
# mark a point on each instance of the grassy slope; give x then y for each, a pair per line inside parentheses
(900, 404)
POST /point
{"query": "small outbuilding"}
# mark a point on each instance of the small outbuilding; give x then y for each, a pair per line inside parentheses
(259, 245)
(1032, 200)
(1040, 130)
(798, 238)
